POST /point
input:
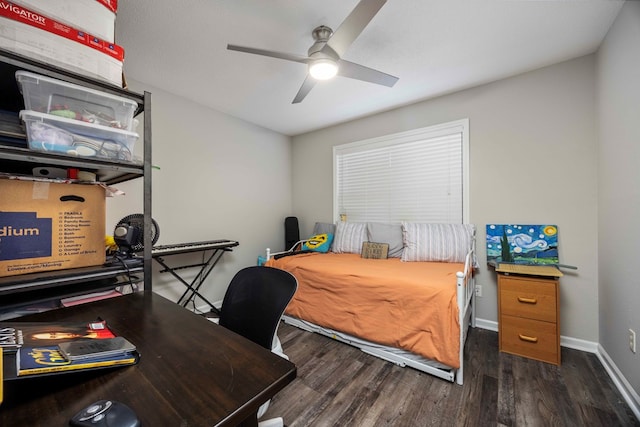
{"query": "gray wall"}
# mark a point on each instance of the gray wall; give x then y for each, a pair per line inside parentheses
(532, 159)
(219, 178)
(619, 191)
(556, 145)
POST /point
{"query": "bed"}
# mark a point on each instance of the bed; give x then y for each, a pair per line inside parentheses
(413, 308)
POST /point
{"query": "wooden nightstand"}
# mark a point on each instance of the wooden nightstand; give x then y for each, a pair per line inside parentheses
(529, 316)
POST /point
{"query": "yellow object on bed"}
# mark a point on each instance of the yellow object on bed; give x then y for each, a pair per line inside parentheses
(407, 305)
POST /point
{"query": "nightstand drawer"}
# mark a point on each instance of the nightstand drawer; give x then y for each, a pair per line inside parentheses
(532, 299)
(530, 338)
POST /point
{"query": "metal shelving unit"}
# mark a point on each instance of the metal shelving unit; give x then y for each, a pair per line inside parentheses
(17, 291)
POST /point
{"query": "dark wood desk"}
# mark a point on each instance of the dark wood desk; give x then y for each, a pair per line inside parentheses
(192, 372)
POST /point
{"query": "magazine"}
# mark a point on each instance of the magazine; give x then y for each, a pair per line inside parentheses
(14, 335)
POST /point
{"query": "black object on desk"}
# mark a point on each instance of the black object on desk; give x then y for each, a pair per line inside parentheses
(217, 248)
(105, 413)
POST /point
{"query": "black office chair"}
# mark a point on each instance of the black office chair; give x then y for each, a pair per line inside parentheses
(253, 306)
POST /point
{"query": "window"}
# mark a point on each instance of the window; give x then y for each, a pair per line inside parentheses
(418, 176)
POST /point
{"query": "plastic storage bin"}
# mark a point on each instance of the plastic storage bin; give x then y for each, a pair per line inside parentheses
(49, 133)
(47, 95)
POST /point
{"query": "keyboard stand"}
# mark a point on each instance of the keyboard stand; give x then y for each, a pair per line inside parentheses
(193, 289)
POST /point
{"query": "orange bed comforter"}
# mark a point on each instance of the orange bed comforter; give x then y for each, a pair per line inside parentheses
(407, 305)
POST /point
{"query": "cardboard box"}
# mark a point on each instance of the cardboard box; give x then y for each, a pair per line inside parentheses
(49, 226)
(92, 16)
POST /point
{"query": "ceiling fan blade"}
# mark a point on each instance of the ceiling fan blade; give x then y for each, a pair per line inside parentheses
(353, 25)
(307, 85)
(360, 72)
(270, 53)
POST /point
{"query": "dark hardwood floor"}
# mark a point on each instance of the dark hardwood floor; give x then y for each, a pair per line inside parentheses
(339, 385)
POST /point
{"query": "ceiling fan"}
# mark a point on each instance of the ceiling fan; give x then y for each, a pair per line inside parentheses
(324, 56)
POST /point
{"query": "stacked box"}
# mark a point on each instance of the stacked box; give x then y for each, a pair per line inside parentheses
(46, 132)
(48, 226)
(36, 36)
(97, 17)
(69, 119)
(46, 95)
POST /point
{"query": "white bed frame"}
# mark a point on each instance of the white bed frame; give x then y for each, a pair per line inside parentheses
(465, 284)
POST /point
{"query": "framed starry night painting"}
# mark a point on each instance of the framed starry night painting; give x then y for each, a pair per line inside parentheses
(522, 244)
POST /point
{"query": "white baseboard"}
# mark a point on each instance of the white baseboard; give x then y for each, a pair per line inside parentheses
(490, 325)
(578, 344)
(630, 395)
(621, 383)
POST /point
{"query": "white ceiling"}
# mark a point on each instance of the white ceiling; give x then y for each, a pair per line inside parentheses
(433, 46)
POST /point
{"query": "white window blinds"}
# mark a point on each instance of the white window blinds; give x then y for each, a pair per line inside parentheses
(417, 176)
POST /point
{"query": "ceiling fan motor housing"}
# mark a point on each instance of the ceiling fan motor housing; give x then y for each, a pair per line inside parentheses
(319, 49)
(323, 62)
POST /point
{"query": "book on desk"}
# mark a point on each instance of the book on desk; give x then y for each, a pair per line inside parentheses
(35, 348)
(49, 359)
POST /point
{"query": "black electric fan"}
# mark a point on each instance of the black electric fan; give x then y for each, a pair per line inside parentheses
(129, 235)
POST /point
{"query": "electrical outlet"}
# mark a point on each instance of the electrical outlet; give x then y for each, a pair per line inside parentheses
(478, 290)
(632, 340)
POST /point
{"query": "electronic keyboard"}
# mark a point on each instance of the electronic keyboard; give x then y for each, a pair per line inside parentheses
(180, 248)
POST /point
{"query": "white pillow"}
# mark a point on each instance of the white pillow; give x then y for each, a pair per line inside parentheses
(437, 242)
(349, 237)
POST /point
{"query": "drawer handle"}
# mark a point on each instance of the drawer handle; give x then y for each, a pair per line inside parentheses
(527, 338)
(528, 300)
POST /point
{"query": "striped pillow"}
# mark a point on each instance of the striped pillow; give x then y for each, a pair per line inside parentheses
(437, 242)
(349, 237)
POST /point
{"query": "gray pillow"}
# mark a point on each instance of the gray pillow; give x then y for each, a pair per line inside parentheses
(379, 232)
(324, 228)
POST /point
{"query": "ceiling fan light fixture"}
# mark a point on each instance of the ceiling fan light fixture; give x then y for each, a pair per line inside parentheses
(323, 69)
